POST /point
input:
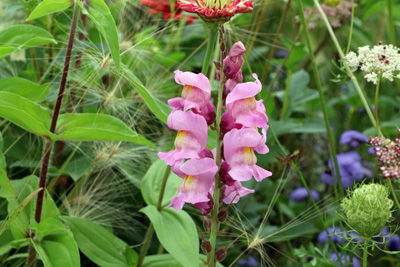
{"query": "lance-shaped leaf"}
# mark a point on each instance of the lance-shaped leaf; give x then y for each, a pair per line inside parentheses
(17, 37)
(94, 127)
(58, 250)
(176, 232)
(100, 14)
(99, 245)
(25, 88)
(159, 109)
(48, 7)
(6, 188)
(25, 113)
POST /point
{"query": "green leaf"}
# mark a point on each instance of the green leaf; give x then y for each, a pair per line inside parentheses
(46, 227)
(48, 7)
(159, 109)
(16, 209)
(100, 14)
(151, 184)
(58, 250)
(25, 88)
(6, 239)
(177, 233)
(6, 188)
(24, 188)
(93, 127)
(3, 163)
(17, 37)
(25, 113)
(99, 245)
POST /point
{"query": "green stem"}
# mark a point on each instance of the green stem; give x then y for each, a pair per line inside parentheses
(212, 37)
(332, 148)
(365, 253)
(150, 230)
(215, 223)
(351, 27)
(393, 193)
(376, 106)
(286, 99)
(273, 46)
(392, 35)
(348, 69)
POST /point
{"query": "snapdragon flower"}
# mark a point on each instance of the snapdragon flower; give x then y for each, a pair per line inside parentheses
(196, 95)
(239, 147)
(242, 108)
(198, 180)
(234, 192)
(191, 139)
(216, 10)
(381, 60)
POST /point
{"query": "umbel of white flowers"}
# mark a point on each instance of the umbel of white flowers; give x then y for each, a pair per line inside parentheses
(368, 209)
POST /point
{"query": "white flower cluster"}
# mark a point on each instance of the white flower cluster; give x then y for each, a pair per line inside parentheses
(380, 60)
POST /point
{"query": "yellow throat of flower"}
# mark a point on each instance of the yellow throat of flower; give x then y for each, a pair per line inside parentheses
(187, 183)
(180, 139)
(187, 90)
(249, 156)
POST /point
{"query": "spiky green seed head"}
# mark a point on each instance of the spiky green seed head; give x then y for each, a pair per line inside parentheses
(368, 209)
(333, 3)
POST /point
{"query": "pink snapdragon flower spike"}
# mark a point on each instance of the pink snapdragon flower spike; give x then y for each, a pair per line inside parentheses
(234, 192)
(198, 180)
(196, 95)
(191, 139)
(216, 10)
(242, 107)
(239, 147)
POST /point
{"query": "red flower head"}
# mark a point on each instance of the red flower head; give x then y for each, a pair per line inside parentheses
(216, 10)
(163, 7)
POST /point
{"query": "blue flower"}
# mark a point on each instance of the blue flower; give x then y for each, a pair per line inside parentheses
(336, 233)
(300, 194)
(345, 259)
(250, 262)
(352, 138)
(350, 168)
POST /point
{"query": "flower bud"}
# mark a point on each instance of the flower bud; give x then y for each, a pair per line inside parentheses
(222, 214)
(206, 246)
(220, 254)
(207, 225)
(368, 209)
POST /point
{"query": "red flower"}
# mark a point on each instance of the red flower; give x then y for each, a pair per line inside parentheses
(163, 7)
(216, 10)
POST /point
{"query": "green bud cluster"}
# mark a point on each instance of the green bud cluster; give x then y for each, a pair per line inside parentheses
(333, 3)
(368, 209)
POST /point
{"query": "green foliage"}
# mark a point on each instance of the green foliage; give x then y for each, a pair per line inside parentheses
(99, 13)
(47, 7)
(151, 184)
(176, 232)
(92, 127)
(99, 245)
(58, 249)
(25, 113)
(28, 36)
(166, 260)
(25, 88)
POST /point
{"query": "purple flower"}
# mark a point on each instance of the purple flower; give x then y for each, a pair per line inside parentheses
(350, 168)
(336, 233)
(300, 194)
(345, 259)
(281, 53)
(393, 241)
(352, 138)
(250, 262)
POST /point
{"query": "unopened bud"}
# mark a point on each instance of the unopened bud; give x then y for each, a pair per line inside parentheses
(222, 214)
(217, 65)
(220, 254)
(206, 246)
(207, 225)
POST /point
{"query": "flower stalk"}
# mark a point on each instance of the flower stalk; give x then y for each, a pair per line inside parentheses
(49, 144)
(215, 223)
